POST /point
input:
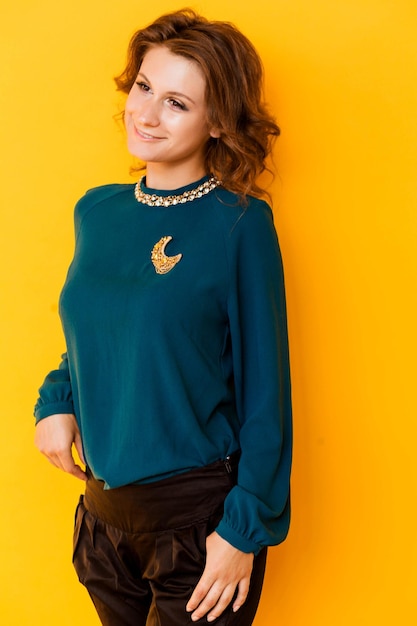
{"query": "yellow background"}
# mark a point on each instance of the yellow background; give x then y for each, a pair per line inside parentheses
(341, 78)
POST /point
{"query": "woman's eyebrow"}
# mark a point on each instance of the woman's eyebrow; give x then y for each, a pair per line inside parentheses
(178, 94)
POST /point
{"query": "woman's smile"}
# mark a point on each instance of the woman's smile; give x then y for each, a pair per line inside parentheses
(146, 136)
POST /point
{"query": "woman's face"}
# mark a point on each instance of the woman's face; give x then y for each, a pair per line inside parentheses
(166, 115)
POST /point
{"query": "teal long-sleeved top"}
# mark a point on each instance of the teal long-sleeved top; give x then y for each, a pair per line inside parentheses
(168, 372)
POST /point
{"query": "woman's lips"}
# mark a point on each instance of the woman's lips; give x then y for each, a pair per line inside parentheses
(146, 136)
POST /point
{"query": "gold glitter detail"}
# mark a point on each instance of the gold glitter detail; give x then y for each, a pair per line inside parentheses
(166, 201)
(163, 263)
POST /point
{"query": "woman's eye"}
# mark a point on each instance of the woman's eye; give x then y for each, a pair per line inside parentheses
(177, 105)
(143, 86)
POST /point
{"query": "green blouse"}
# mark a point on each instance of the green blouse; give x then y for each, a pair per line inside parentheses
(166, 372)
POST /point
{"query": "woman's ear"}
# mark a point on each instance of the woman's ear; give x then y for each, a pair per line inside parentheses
(215, 133)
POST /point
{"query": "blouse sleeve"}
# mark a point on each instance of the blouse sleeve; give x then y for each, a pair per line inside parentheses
(257, 510)
(55, 395)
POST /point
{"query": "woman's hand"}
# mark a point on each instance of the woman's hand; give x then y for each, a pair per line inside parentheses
(227, 568)
(54, 437)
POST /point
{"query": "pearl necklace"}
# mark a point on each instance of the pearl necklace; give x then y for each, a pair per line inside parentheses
(188, 196)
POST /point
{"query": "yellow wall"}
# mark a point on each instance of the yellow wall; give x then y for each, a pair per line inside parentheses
(342, 80)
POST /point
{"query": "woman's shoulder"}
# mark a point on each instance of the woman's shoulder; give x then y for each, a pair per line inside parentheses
(249, 232)
(96, 195)
(242, 214)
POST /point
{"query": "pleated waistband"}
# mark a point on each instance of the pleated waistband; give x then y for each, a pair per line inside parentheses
(173, 502)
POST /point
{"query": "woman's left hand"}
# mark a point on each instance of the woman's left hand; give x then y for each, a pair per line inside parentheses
(227, 568)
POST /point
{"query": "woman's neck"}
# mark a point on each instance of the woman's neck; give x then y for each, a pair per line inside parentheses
(166, 177)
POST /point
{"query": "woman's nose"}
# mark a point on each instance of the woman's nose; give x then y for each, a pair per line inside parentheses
(146, 113)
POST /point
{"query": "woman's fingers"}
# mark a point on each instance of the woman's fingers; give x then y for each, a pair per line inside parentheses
(226, 570)
(54, 437)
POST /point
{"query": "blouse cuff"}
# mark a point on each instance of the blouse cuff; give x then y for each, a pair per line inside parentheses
(236, 540)
(52, 409)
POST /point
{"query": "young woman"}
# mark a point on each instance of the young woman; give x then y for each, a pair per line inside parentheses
(175, 386)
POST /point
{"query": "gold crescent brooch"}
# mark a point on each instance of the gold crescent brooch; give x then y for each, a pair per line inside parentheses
(163, 263)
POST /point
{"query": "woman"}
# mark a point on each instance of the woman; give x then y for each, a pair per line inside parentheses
(175, 386)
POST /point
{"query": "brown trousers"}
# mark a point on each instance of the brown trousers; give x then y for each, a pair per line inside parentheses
(140, 549)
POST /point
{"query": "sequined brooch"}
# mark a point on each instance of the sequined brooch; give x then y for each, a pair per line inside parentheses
(163, 263)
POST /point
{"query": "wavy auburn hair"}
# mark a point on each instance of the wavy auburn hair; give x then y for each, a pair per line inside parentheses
(234, 92)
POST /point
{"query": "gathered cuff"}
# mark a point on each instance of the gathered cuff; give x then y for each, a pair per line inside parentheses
(52, 409)
(236, 540)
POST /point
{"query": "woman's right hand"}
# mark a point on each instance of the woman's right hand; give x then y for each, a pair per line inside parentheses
(54, 437)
